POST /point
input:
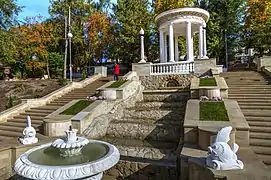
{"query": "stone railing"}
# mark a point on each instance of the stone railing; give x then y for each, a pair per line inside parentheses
(172, 68)
(29, 103)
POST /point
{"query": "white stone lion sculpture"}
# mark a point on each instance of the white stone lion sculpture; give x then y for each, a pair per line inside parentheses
(29, 134)
(220, 155)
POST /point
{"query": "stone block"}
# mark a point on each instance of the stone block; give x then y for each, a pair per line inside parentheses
(142, 69)
(102, 70)
(202, 66)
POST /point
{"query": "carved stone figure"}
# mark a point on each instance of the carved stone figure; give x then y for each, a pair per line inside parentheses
(29, 134)
(220, 155)
(204, 98)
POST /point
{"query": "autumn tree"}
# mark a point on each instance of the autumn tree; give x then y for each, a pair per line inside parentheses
(258, 25)
(164, 5)
(35, 36)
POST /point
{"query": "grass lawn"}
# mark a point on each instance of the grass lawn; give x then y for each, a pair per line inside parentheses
(77, 107)
(117, 84)
(207, 82)
(213, 111)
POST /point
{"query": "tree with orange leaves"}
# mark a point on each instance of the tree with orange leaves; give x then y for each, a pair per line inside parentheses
(34, 37)
(98, 33)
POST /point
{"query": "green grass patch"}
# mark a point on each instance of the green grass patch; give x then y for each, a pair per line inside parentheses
(207, 82)
(77, 107)
(117, 84)
(213, 111)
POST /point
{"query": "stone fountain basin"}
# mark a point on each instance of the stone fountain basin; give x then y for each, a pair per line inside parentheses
(32, 169)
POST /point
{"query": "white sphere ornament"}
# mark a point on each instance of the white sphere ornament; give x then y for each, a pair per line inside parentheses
(70, 35)
(141, 31)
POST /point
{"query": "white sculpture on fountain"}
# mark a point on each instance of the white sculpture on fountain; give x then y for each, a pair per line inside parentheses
(29, 133)
(220, 155)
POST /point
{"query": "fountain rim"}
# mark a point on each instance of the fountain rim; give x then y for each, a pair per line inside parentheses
(22, 165)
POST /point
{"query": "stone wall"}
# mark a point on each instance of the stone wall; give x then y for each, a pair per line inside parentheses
(141, 171)
(112, 110)
(156, 82)
(263, 62)
(203, 65)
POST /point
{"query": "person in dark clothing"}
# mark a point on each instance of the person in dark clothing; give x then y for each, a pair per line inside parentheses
(116, 71)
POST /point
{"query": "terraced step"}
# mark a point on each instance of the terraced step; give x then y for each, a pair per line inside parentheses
(46, 108)
(18, 124)
(39, 111)
(259, 135)
(38, 114)
(260, 142)
(160, 105)
(250, 95)
(255, 98)
(256, 118)
(10, 134)
(251, 100)
(260, 129)
(147, 131)
(259, 113)
(23, 120)
(254, 104)
(12, 128)
(259, 123)
(262, 150)
(251, 86)
(32, 117)
(155, 150)
(248, 91)
(266, 159)
(165, 97)
(255, 107)
(154, 114)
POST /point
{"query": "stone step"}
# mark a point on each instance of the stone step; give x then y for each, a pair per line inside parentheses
(262, 150)
(39, 111)
(154, 114)
(46, 108)
(147, 131)
(19, 124)
(166, 97)
(255, 107)
(259, 113)
(38, 114)
(160, 105)
(257, 118)
(260, 142)
(254, 104)
(266, 159)
(260, 129)
(23, 120)
(259, 123)
(248, 101)
(250, 87)
(13, 134)
(150, 121)
(250, 95)
(60, 104)
(248, 91)
(154, 150)
(32, 117)
(14, 128)
(255, 98)
(259, 135)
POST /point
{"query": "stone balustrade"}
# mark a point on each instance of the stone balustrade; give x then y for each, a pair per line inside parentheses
(184, 67)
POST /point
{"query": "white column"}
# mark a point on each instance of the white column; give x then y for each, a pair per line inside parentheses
(200, 41)
(176, 48)
(142, 56)
(171, 43)
(165, 47)
(162, 48)
(204, 42)
(192, 48)
(189, 42)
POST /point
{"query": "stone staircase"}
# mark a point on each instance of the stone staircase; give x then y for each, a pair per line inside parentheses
(252, 91)
(148, 137)
(14, 127)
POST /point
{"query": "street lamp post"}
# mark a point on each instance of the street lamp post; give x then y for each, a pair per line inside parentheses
(70, 43)
(142, 57)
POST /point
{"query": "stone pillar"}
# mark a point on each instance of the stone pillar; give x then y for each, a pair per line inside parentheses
(171, 43)
(176, 48)
(200, 41)
(142, 56)
(189, 42)
(162, 48)
(165, 47)
(204, 42)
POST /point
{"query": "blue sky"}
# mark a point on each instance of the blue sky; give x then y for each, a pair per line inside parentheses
(33, 8)
(36, 7)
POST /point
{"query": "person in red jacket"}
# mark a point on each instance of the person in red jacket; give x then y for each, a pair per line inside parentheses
(116, 71)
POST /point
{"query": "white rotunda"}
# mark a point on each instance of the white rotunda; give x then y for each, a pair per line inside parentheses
(182, 22)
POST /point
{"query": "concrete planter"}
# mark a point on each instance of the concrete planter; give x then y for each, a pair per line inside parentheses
(124, 91)
(221, 90)
(201, 133)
